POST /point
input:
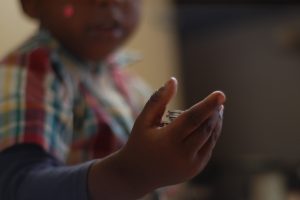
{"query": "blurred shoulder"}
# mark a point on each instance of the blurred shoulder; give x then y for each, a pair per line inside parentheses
(32, 52)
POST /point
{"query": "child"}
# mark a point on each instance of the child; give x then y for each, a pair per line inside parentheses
(65, 99)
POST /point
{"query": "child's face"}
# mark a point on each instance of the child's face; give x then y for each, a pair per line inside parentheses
(91, 29)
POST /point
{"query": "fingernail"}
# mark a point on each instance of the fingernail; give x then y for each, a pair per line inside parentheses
(221, 97)
(221, 111)
(167, 84)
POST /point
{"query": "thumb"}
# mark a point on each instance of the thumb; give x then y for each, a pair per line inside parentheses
(156, 105)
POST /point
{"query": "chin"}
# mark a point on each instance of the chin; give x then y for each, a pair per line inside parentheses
(93, 50)
(98, 56)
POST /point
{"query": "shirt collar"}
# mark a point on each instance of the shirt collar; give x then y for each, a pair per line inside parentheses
(121, 58)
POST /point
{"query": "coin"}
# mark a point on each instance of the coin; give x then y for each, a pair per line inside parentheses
(171, 116)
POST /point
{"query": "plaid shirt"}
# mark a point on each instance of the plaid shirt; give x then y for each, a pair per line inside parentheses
(76, 111)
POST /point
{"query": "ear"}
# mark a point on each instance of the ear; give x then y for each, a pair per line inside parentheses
(30, 8)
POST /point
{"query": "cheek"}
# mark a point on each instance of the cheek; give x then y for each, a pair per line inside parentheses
(132, 16)
(68, 11)
(136, 9)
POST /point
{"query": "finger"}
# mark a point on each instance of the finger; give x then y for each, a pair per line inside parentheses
(194, 117)
(211, 143)
(218, 128)
(200, 136)
(156, 106)
(204, 155)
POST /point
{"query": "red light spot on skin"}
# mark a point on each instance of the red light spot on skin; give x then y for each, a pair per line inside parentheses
(68, 11)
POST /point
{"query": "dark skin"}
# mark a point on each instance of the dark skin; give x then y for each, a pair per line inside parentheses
(154, 156)
(95, 29)
(157, 156)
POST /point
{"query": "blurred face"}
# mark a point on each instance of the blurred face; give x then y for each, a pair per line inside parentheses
(90, 29)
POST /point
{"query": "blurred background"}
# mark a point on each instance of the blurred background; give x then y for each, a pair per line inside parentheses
(251, 51)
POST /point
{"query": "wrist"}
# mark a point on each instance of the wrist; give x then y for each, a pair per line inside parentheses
(115, 177)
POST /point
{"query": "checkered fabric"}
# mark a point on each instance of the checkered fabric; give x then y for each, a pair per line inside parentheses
(74, 109)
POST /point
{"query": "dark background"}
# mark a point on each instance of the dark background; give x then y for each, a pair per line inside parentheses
(251, 51)
(270, 2)
(252, 54)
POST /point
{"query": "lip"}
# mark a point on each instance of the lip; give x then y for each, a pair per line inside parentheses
(107, 29)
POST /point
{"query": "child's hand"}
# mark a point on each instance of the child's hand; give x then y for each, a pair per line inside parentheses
(156, 156)
(159, 156)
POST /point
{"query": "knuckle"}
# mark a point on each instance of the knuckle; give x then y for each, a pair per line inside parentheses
(155, 97)
(208, 127)
(212, 102)
(217, 133)
(185, 154)
(193, 118)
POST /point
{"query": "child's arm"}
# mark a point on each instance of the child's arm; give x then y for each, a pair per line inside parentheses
(153, 157)
(27, 171)
(157, 156)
